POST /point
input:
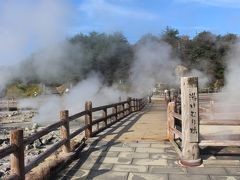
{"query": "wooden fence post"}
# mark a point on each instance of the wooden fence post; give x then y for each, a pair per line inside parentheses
(64, 117)
(123, 113)
(140, 104)
(135, 104)
(190, 121)
(114, 111)
(88, 119)
(132, 104)
(119, 106)
(170, 120)
(129, 99)
(104, 114)
(17, 158)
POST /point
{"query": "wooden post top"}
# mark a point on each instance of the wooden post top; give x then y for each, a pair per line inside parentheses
(64, 114)
(88, 105)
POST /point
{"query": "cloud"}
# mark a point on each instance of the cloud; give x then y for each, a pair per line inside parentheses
(111, 15)
(218, 3)
(105, 9)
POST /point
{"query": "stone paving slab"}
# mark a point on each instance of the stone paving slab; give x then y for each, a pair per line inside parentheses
(150, 150)
(107, 175)
(188, 177)
(210, 170)
(147, 176)
(113, 156)
(130, 168)
(225, 177)
(221, 163)
(133, 155)
(169, 170)
(96, 166)
(163, 156)
(150, 162)
(121, 149)
(233, 171)
(115, 160)
(104, 154)
(141, 145)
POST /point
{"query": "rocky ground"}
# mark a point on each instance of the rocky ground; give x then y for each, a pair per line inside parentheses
(7, 117)
(23, 119)
(31, 151)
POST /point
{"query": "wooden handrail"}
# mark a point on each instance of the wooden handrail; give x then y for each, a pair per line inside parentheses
(132, 105)
(77, 132)
(44, 155)
(225, 122)
(43, 132)
(78, 115)
(219, 143)
(7, 150)
(177, 132)
(100, 108)
(177, 116)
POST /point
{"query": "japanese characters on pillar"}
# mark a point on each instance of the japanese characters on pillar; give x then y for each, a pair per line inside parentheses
(193, 114)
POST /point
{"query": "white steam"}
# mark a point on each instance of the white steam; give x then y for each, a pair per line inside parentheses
(89, 89)
(26, 26)
(154, 63)
(230, 96)
(232, 73)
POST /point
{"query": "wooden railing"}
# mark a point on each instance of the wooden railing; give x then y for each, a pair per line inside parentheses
(8, 104)
(18, 142)
(186, 125)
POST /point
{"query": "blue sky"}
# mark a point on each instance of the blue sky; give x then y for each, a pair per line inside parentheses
(28, 25)
(137, 17)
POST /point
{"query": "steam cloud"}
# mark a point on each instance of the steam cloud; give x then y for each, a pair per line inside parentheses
(46, 22)
(26, 26)
(153, 63)
(230, 93)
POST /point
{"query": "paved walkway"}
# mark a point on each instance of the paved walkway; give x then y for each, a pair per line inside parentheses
(134, 149)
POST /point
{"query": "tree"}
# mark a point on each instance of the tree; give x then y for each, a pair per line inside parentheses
(171, 36)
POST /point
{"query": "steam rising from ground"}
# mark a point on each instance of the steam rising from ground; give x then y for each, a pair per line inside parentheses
(230, 92)
(153, 63)
(232, 73)
(44, 22)
(89, 89)
(26, 26)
